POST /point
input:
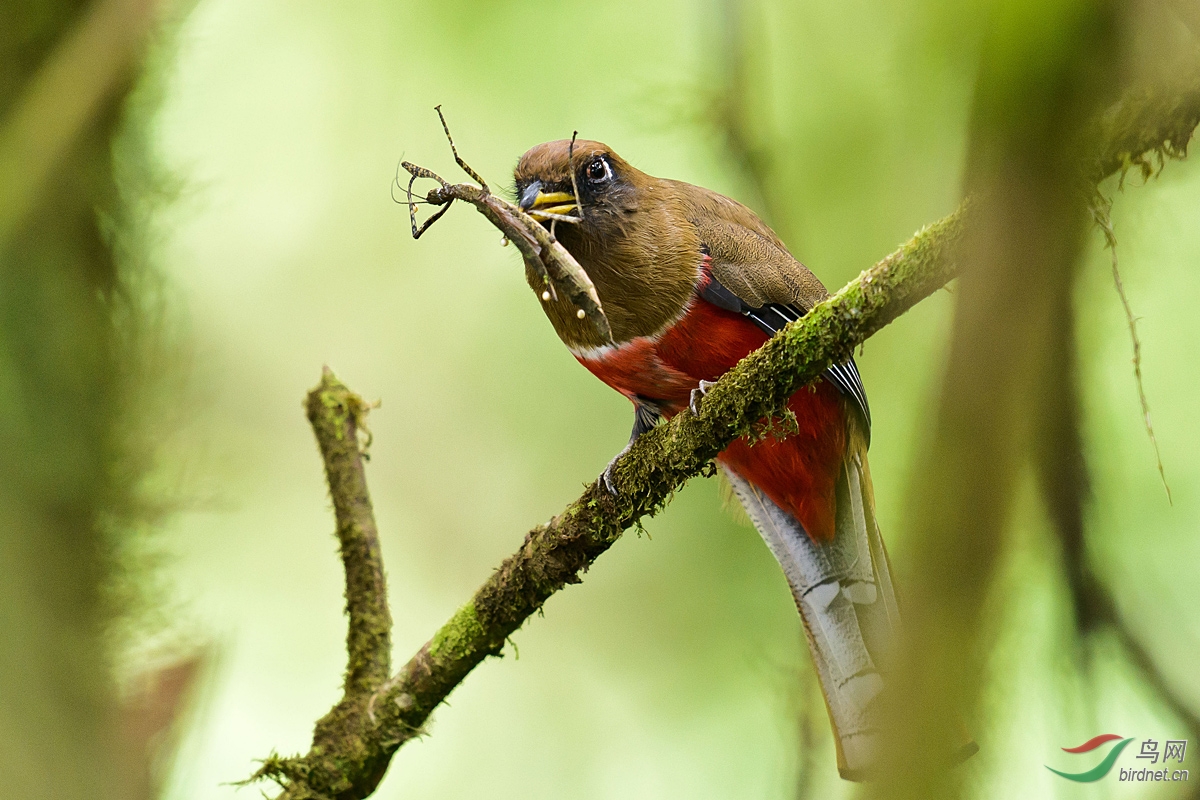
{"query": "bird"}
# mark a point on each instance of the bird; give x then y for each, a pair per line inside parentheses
(691, 282)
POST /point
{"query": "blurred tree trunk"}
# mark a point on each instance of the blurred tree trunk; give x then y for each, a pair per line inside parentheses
(59, 394)
(1046, 70)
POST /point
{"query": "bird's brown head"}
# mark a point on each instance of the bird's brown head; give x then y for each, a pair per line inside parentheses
(626, 229)
(584, 183)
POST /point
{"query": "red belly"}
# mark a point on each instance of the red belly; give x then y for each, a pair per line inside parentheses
(800, 472)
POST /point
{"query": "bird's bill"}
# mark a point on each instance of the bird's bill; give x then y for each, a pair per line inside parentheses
(553, 205)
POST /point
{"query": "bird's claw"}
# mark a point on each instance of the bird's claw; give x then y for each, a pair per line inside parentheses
(698, 394)
(606, 477)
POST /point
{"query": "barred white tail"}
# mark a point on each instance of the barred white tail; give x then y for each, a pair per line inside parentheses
(844, 592)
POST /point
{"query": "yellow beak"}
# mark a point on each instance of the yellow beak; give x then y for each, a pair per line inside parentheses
(553, 205)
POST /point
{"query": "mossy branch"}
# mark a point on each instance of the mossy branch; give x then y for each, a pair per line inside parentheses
(342, 762)
(354, 742)
(338, 417)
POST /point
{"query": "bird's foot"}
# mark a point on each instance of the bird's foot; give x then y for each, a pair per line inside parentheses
(606, 477)
(698, 394)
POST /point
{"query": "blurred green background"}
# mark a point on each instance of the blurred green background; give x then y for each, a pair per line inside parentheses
(677, 668)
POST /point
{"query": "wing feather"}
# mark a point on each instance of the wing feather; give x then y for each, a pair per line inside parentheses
(770, 318)
(752, 273)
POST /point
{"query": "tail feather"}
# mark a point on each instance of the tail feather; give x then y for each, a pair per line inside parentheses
(843, 589)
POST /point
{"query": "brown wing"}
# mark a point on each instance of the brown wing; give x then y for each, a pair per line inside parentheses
(754, 274)
(748, 258)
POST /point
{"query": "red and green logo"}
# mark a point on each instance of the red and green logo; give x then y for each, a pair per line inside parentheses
(1100, 770)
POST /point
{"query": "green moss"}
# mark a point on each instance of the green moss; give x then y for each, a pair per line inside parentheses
(341, 406)
(459, 637)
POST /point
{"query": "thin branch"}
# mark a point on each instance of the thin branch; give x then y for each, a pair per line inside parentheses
(1101, 210)
(1142, 134)
(338, 417)
(658, 464)
(341, 764)
(1151, 126)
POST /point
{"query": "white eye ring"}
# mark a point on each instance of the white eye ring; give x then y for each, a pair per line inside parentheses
(604, 175)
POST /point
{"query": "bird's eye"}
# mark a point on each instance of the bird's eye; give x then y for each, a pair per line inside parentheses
(598, 171)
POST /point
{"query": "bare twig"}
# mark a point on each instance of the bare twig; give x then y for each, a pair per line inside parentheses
(1137, 140)
(1101, 208)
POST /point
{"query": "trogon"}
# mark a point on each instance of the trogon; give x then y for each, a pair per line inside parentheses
(692, 282)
